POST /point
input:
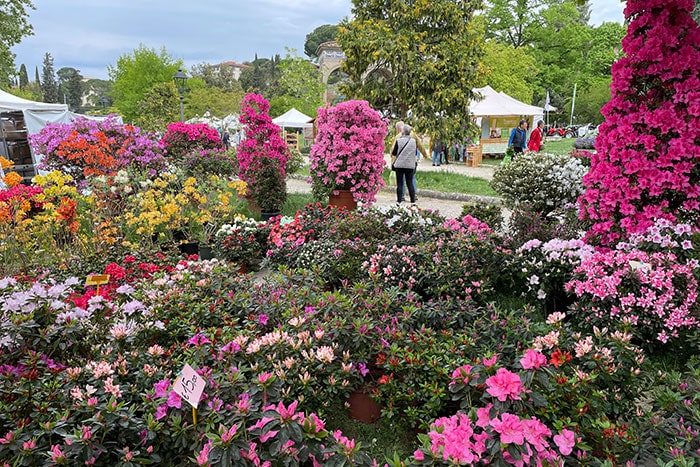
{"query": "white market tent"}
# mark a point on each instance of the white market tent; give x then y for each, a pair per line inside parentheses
(292, 118)
(499, 110)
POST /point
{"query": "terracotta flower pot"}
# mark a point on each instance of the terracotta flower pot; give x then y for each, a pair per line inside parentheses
(343, 199)
(363, 408)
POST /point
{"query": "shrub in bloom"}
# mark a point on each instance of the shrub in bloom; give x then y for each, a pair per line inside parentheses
(348, 153)
(651, 295)
(89, 147)
(262, 155)
(646, 165)
(181, 139)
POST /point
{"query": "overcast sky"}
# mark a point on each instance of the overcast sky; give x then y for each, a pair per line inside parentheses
(89, 35)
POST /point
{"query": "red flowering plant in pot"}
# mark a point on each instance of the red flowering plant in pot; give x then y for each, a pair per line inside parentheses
(348, 153)
(262, 155)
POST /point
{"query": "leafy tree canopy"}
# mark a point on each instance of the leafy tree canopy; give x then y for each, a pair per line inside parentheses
(299, 82)
(159, 107)
(13, 27)
(221, 76)
(261, 76)
(70, 85)
(324, 33)
(514, 21)
(506, 69)
(135, 74)
(417, 61)
(216, 101)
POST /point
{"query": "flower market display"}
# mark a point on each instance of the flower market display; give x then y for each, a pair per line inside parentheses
(540, 339)
(348, 153)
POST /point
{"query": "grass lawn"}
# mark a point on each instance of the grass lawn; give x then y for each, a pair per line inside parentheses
(563, 146)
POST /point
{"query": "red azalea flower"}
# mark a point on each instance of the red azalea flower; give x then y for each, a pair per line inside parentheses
(558, 358)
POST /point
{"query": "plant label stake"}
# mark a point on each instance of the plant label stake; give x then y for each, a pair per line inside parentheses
(189, 385)
(98, 280)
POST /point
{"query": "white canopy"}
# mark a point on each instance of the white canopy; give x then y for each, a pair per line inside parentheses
(10, 102)
(292, 118)
(229, 122)
(500, 104)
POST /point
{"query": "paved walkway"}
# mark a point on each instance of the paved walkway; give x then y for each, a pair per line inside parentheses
(448, 204)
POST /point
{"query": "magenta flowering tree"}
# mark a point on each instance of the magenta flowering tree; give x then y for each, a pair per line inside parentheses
(647, 164)
(348, 153)
(181, 139)
(262, 155)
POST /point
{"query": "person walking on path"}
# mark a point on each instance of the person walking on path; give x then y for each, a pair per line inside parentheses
(420, 150)
(518, 138)
(405, 164)
(536, 138)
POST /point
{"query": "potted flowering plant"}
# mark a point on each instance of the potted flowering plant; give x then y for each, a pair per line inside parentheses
(262, 155)
(237, 241)
(348, 154)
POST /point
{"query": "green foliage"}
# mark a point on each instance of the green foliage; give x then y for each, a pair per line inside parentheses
(49, 87)
(260, 76)
(422, 57)
(13, 27)
(489, 214)
(70, 85)
(220, 76)
(507, 69)
(23, 77)
(513, 22)
(299, 86)
(214, 100)
(591, 99)
(158, 108)
(323, 33)
(135, 74)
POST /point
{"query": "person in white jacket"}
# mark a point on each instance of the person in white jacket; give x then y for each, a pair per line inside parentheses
(405, 164)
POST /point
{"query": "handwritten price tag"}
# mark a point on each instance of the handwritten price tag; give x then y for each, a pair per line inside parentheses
(189, 385)
(97, 279)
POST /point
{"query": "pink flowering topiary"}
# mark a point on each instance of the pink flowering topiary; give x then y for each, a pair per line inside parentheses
(648, 156)
(181, 139)
(348, 153)
(262, 155)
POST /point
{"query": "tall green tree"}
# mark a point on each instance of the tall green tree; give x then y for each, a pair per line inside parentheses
(23, 77)
(261, 76)
(323, 33)
(216, 101)
(36, 76)
(13, 27)
(506, 69)
(135, 74)
(159, 107)
(70, 85)
(418, 60)
(300, 86)
(514, 21)
(49, 86)
(221, 76)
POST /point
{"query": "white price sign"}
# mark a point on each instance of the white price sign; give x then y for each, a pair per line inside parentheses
(189, 385)
(636, 265)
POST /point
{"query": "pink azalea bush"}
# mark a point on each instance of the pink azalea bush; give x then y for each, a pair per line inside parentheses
(348, 153)
(181, 139)
(647, 159)
(652, 295)
(262, 155)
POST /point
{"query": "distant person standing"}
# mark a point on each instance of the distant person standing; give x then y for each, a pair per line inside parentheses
(437, 148)
(518, 138)
(419, 150)
(404, 151)
(227, 140)
(536, 142)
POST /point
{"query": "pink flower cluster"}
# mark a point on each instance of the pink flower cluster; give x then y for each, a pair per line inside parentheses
(183, 138)
(457, 439)
(650, 292)
(348, 153)
(469, 225)
(646, 165)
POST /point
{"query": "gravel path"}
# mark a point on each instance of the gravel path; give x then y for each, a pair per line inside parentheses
(448, 204)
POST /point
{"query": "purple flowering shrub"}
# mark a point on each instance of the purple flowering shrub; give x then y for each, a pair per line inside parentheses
(348, 153)
(86, 147)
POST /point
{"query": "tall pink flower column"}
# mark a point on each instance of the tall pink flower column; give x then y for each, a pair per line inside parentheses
(647, 164)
